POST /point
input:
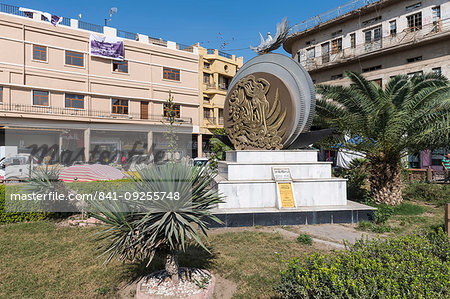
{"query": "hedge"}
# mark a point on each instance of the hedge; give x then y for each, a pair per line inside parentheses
(403, 267)
(79, 187)
(7, 217)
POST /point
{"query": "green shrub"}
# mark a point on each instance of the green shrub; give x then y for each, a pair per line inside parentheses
(373, 227)
(304, 239)
(11, 217)
(404, 267)
(433, 193)
(356, 177)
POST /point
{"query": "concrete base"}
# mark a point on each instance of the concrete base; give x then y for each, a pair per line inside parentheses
(247, 182)
(352, 212)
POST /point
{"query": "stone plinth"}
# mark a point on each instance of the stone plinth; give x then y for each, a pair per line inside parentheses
(247, 181)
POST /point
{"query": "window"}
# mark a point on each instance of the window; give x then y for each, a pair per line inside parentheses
(414, 22)
(120, 66)
(1, 94)
(437, 70)
(436, 13)
(372, 35)
(206, 65)
(338, 76)
(336, 33)
(419, 73)
(353, 40)
(119, 106)
(206, 113)
(311, 42)
(325, 52)
(171, 112)
(40, 98)
(393, 27)
(371, 69)
(171, 74)
(310, 54)
(39, 53)
(206, 78)
(414, 59)
(336, 46)
(371, 21)
(74, 58)
(206, 100)
(74, 101)
(414, 6)
(224, 82)
(379, 82)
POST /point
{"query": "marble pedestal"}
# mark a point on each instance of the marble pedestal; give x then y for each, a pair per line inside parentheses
(247, 182)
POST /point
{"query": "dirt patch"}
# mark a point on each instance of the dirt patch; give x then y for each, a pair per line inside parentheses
(225, 288)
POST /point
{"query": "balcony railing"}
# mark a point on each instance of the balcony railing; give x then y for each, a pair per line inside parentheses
(71, 112)
(211, 85)
(210, 120)
(221, 120)
(330, 15)
(90, 27)
(223, 86)
(220, 53)
(185, 48)
(14, 10)
(127, 35)
(403, 38)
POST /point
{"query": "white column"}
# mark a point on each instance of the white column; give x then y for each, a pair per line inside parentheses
(199, 145)
(87, 144)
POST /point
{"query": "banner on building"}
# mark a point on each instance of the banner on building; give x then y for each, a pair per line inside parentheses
(106, 47)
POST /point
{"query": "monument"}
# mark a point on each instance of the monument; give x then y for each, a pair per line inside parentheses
(266, 180)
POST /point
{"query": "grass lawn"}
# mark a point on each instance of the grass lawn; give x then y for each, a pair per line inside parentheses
(44, 260)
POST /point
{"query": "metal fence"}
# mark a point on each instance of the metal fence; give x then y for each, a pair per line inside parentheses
(65, 21)
(330, 15)
(11, 9)
(48, 110)
(90, 27)
(127, 35)
(185, 48)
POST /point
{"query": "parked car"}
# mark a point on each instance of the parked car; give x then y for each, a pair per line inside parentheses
(18, 167)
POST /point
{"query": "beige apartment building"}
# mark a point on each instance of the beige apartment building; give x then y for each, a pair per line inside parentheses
(216, 69)
(380, 39)
(54, 92)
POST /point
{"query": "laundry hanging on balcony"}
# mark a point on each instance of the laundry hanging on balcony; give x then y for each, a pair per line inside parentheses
(106, 47)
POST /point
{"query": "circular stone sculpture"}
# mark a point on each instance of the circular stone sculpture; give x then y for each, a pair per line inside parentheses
(269, 103)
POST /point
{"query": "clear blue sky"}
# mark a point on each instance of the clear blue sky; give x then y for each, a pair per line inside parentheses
(211, 23)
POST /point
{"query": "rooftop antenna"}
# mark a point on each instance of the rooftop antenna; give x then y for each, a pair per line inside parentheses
(112, 11)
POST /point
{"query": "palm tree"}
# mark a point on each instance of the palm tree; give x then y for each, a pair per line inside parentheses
(407, 116)
(172, 205)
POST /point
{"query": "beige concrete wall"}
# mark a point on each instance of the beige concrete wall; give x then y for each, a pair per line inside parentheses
(20, 74)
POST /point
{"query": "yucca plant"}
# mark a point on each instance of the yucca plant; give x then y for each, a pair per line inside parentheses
(137, 229)
(406, 116)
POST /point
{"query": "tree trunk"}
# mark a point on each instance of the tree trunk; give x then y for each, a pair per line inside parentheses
(385, 180)
(172, 265)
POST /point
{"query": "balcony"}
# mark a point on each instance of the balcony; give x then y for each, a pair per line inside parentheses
(210, 121)
(221, 121)
(85, 113)
(402, 39)
(223, 86)
(211, 85)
